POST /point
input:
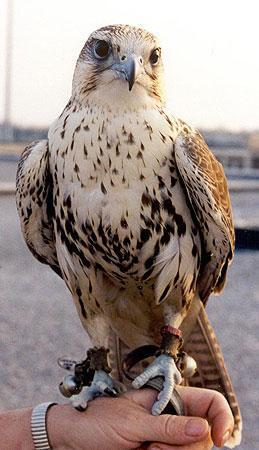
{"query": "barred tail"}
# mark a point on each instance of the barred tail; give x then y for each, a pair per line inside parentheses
(203, 346)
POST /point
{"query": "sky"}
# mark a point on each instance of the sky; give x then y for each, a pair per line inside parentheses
(210, 52)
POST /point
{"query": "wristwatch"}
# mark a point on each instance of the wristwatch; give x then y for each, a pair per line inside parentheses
(39, 426)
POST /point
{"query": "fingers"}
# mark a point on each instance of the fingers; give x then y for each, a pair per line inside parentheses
(212, 405)
(174, 430)
(205, 444)
(166, 428)
(198, 402)
(143, 397)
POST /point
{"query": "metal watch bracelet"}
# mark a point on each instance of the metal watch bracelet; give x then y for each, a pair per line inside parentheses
(39, 426)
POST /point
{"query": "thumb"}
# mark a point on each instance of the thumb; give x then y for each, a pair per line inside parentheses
(175, 430)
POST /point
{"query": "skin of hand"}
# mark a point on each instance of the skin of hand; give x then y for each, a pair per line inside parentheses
(126, 423)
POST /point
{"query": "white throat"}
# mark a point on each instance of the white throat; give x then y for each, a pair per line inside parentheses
(116, 96)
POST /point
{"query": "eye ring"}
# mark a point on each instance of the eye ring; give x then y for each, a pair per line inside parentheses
(101, 49)
(154, 57)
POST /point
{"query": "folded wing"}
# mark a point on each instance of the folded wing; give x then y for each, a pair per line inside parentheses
(34, 198)
(206, 189)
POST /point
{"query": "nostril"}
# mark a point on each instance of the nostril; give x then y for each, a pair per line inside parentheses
(123, 57)
(141, 60)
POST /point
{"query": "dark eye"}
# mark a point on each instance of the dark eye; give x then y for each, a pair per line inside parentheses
(101, 49)
(154, 57)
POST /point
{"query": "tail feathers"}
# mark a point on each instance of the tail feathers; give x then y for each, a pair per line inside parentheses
(117, 352)
(203, 346)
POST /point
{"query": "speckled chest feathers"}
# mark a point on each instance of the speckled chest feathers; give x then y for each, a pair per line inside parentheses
(124, 234)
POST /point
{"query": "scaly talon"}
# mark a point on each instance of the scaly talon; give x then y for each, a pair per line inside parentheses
(163, 365)
(102, 384)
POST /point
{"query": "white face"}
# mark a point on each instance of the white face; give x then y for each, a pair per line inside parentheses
(119, 63)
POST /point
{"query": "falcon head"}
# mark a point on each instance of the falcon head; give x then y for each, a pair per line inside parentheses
(119, 63)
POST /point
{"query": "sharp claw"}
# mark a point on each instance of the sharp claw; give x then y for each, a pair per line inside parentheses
(111, 392)
(80, 408)
(160, 405)
(159, 396)
(115, 391)
(79, 403)
(156, 409)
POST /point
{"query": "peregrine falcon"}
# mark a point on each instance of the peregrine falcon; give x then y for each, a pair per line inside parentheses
(129, 206)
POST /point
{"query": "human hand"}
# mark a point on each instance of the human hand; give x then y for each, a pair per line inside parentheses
(125, 423)
(210, 405)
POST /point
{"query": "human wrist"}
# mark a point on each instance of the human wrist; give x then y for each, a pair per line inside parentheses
(60, 422)
(15, 429)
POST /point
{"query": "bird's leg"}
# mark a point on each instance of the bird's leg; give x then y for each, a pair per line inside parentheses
(102, 383)
(164, 365)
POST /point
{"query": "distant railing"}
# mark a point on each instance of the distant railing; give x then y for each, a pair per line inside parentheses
(7, 188)
(234, 173)
(247, 238)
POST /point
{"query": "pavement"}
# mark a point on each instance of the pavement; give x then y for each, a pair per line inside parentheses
(39, 323)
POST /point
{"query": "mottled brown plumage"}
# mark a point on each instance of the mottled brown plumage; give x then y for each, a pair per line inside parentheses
(125, 201)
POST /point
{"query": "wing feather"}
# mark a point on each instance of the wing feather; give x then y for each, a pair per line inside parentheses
(206, 188)
(34, 192)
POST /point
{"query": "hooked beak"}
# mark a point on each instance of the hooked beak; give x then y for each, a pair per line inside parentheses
(130, 69)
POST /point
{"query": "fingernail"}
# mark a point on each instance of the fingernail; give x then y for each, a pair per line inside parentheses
(226, 437)
(196, 427)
